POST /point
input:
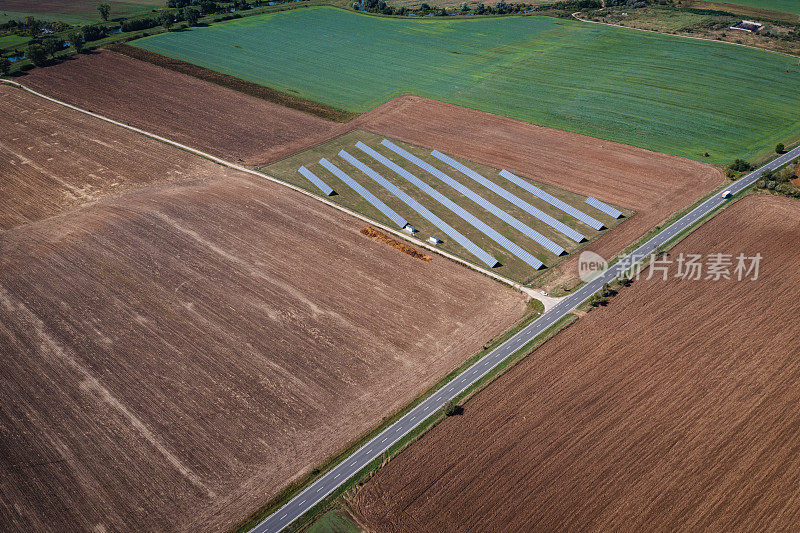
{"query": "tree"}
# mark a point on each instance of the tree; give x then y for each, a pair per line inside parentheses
(93, 33)
(104, 10)
(192, 16)
(32, 26)
(780, 148)
(207, 6)
(77, 41)
(740, 165)
(37, 54)
(52, 45)
(5, 66)
(167, 19)
(451, 408)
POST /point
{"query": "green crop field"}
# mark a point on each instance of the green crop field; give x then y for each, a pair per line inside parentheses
(789, 6)
(664, 93)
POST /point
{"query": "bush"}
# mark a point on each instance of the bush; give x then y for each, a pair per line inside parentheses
(192, 16)
(140, 24)
(37, 54)
(451, 408)
(93, 33)
(76, 38)
(740, 165)
(780, 148)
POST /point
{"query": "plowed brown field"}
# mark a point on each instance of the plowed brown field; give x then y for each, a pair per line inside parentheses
(673, 409)
(54, 161)
(200, 114)
(232, 125)
(174, 354)
(655, 185)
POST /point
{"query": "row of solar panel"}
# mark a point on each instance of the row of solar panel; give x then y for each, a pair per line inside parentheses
(455, 208)
(536, 236)
(552, 200)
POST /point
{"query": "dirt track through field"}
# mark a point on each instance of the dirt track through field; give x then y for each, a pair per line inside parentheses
(177, 348)
(674, 408)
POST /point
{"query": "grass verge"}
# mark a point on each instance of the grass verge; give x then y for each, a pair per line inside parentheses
(237, 84)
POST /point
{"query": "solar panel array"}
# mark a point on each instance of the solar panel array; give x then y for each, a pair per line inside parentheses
(552, 200)
(454, 234)
(481, 201)
(519, 202)
(455, 208)
(605, 208)
(368, 196)
(321, 185)
(527, 230)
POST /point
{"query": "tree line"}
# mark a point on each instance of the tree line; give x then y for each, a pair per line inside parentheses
(499, 8)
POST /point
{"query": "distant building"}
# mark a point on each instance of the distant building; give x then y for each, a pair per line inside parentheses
(410, 229)
(747, 25)
(433, 239)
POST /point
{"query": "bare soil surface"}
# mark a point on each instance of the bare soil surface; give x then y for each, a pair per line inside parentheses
(654, 185)
(674, 409)
(194, 112)
(235, 126)
(175, 354)
(54, 161)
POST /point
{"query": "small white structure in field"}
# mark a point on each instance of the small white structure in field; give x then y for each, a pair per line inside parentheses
(747, 25)
(410, 229)
(433, 239)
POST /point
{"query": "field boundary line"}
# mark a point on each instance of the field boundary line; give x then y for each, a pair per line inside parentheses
(502, 279)
(576, 17)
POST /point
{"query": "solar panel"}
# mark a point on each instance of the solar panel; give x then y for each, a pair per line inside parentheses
(321, 185)
(605, 208)
(455, 208)
(514, 199)
(486, 204)
(552, 200)
(368, 196)
(454, 234)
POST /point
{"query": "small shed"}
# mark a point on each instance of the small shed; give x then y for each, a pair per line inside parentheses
(747, 25)
(410, 229)
(433, 239)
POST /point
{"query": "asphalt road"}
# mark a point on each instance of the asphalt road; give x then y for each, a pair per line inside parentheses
(326, 484)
